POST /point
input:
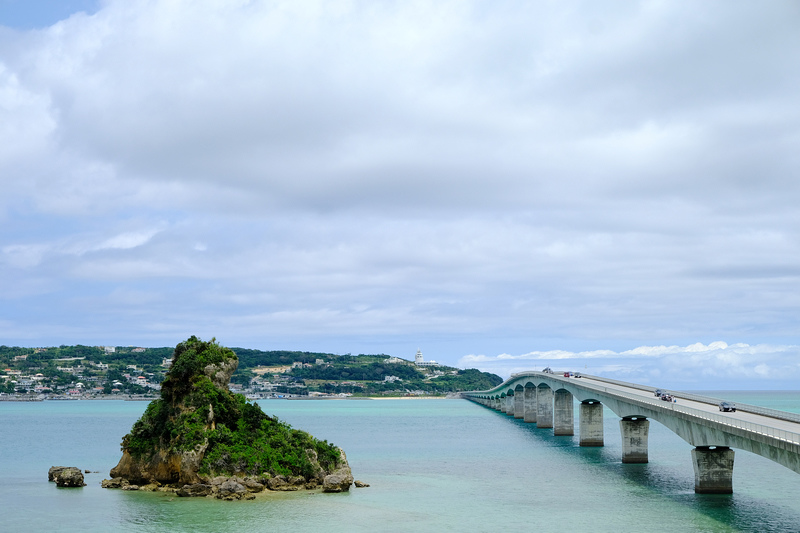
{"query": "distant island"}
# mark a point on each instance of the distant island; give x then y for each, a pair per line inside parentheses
(200, 439)
(130, 372)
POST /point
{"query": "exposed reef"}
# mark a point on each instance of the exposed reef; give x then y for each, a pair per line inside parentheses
(199, 439)
(66, 476)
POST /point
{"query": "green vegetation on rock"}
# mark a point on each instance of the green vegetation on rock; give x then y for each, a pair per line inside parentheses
(198, 416)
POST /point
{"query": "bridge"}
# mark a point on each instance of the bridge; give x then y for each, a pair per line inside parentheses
(546, 399)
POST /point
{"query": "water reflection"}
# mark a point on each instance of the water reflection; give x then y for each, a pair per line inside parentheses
(670, 476)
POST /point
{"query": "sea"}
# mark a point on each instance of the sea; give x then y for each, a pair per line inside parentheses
(433, 465)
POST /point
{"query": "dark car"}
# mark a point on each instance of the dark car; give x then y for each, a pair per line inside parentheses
(727, 407)
(658, 393)
(548, 370)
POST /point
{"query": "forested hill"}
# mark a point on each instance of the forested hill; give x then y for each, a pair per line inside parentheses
(112, 368)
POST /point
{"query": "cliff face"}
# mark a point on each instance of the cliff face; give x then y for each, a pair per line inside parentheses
(199, 431)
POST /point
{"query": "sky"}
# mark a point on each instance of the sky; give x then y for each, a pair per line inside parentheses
(611, 188)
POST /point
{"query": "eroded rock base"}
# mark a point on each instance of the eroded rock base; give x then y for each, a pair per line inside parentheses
(240, 488)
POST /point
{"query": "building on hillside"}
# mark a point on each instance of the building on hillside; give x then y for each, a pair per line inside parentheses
(419, 361)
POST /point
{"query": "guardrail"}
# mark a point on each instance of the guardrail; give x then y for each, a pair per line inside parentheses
(759, 429)
(710, 400)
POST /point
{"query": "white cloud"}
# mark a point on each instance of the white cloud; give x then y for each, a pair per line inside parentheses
(24, 255)
(695, 366)
(31, 255)
(128, 240)
(538, 180)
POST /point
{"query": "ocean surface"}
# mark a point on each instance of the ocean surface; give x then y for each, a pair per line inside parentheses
(433, 465)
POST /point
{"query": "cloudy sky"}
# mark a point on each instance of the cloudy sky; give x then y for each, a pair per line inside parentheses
(506, 185)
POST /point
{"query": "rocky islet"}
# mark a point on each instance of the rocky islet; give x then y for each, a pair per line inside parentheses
(199, 439)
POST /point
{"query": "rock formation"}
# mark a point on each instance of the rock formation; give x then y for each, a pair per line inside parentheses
(202, 440)
(340, 479)
(66, 476)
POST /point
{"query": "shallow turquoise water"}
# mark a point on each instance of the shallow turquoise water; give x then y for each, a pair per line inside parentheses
(433, 465)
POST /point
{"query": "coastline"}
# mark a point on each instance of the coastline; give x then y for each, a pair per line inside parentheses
(102, 397)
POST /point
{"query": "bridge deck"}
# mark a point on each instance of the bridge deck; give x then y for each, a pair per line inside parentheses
(754, 418)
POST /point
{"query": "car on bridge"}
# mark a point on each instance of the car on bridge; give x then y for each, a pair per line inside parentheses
(727, 407)
(658, 393)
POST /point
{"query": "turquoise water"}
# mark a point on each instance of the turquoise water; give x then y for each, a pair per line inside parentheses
(433, 465)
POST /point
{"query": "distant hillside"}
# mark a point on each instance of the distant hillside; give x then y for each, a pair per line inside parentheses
(138, 370)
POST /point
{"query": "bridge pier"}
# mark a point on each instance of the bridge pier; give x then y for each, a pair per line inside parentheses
(634, 439)
(591, 424)
(509, 407)
(519, 403)
(563, 413)
(530, 403)
(544, 407)
(713, 470)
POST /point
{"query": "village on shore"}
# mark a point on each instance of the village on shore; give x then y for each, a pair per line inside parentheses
(135, 373)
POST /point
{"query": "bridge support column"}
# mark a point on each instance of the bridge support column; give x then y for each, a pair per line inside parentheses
(563, 413)
(509, 410)
(496, 404)
(544, 407)
(634, 439)
(519, 404)
(530, 404)
(713, 470)
(591, 424)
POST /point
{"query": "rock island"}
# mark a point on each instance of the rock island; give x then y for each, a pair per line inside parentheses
(200, 439)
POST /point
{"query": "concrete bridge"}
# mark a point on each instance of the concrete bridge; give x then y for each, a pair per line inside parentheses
(546, 399)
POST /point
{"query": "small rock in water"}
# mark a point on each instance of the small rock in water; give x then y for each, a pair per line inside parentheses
(51, 474)
(66, 476)
(360, 484)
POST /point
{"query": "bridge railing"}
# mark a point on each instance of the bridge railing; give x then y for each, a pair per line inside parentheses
(744, 407)
(760, 429)
(659, 405)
